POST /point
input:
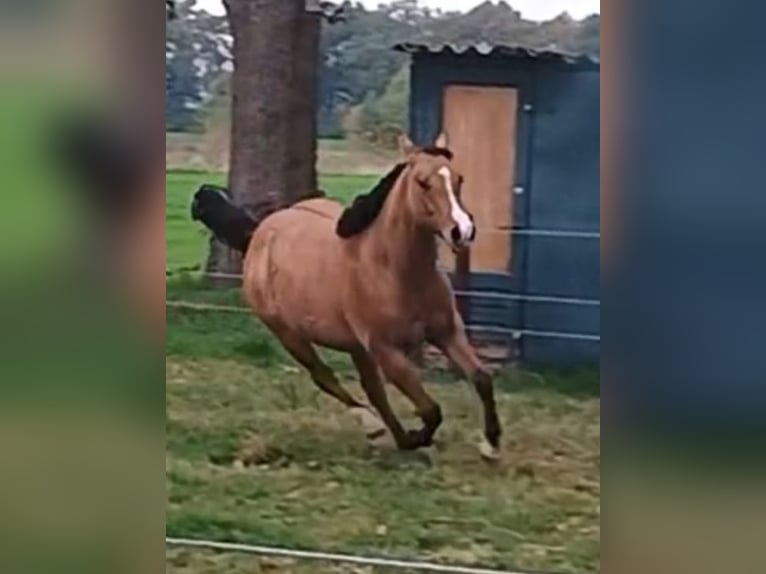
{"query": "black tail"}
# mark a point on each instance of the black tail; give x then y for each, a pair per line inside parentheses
(229, 223)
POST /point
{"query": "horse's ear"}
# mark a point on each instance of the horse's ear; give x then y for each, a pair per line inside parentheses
(442, 141)
(406, 147)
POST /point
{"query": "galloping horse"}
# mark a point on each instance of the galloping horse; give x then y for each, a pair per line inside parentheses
(364, 281)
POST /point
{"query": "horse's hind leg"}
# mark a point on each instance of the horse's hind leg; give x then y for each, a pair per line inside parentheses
(459, 350)
(400, 371)
(324, 378)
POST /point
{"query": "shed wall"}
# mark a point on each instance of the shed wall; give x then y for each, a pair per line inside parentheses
(556, 217)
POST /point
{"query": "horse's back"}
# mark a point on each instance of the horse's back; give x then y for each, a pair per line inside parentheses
(321, 205)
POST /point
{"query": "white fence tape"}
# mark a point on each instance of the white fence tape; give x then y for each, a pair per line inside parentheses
(329, 557)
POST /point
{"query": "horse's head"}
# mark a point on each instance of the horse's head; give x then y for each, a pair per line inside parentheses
(433, 192)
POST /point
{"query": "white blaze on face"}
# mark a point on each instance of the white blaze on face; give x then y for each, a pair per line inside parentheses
(459, 216)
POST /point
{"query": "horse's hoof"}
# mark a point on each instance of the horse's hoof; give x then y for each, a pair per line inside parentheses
(488, 452)
(414, 439)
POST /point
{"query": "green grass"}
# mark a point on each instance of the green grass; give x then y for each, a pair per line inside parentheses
(256, 454)
(187, 241)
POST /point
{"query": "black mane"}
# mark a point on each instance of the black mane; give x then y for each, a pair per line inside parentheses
(365, 208)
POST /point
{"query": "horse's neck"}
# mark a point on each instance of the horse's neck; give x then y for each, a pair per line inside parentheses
(396, 239)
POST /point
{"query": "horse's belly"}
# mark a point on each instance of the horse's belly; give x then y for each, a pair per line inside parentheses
(309, 301)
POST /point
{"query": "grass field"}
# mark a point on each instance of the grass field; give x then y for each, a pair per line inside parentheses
(256, 454)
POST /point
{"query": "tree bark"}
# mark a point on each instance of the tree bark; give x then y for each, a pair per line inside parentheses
(263, 101)
(302, 176)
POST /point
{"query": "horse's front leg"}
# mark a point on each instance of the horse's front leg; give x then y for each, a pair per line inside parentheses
(402, 373)
(372, 384)
(459, 350)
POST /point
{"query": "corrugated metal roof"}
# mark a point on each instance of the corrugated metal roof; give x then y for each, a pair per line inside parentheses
(487, 49)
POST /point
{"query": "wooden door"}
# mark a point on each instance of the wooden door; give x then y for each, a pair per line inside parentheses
(481, 125)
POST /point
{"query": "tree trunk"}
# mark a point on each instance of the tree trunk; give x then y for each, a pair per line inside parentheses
(261, 156)
(302, 177)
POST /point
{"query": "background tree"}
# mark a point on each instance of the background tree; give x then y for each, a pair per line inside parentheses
(381, 119)
(264, 51)
(302, 176)
(301, 169)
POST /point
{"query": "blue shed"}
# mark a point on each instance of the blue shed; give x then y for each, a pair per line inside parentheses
(524, 126)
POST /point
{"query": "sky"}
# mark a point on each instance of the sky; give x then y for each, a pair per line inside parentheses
(530, 9)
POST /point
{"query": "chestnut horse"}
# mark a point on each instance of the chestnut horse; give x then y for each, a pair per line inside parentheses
(364, 281)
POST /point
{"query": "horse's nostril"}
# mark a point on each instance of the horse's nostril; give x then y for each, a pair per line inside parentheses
(455, 234)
